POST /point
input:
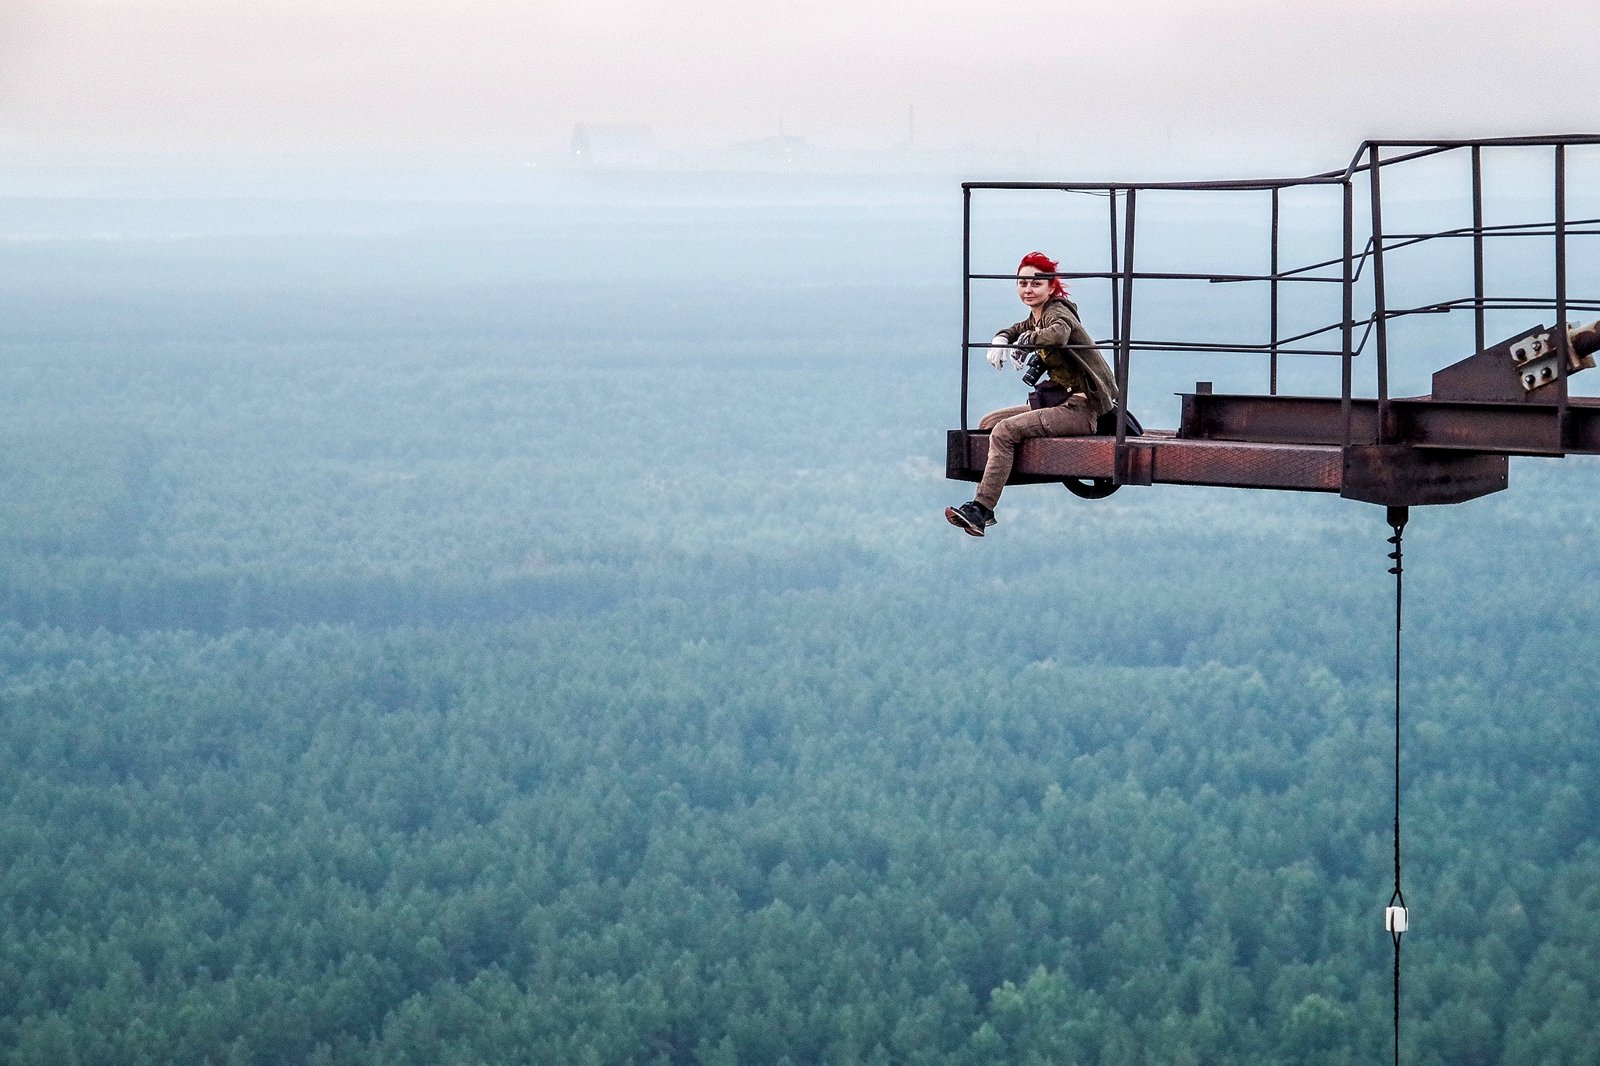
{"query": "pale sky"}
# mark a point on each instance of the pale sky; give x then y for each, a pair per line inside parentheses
(1000, 79)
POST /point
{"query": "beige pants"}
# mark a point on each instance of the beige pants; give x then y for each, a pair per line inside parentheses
(1010, 426)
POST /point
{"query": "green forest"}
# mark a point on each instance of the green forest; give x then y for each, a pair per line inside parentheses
(523, 630)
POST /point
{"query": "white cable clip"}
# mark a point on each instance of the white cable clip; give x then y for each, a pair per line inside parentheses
(1394, 919)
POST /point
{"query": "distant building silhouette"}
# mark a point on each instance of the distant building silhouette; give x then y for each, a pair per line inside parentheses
(610, 145)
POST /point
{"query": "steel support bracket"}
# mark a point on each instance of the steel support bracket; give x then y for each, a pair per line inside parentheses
(1136, 464)
(1401, 476)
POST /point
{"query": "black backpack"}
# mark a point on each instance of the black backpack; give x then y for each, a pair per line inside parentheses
(1107, 425)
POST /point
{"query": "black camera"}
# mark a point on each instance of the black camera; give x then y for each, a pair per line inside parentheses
(1033, 369)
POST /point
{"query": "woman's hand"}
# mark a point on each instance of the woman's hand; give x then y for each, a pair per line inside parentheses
(997, 351)
(1019, 354)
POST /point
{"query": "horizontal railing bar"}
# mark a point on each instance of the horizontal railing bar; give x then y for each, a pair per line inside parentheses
(1093, 275)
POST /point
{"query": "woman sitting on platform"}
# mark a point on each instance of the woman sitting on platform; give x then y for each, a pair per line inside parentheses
(1080, 387)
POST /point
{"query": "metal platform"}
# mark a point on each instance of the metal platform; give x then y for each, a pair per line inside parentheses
(1435, 449)
(1162, 457)
(1392, 475)
(1510, 398)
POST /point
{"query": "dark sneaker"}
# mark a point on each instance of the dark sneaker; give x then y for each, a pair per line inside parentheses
(971, 517)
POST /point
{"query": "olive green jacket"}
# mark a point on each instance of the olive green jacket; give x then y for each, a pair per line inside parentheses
(1070, 354)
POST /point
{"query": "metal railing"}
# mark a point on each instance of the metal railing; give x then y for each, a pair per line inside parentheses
(1349, 270)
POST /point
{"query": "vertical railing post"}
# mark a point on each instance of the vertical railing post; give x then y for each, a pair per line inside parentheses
(1346, 408)
(1479, 336)
(1562, 345)
(1273, 383)
(1379, 300)
(1116, 298)
(1124, 350)
(966, 296)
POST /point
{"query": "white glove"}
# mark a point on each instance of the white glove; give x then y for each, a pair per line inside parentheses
(997, 353)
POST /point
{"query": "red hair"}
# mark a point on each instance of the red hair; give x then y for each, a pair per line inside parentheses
(1045, 265)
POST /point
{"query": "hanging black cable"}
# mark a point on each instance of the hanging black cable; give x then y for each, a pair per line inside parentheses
(1395, 918)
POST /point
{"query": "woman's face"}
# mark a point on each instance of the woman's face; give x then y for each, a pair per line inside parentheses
(1033, 287)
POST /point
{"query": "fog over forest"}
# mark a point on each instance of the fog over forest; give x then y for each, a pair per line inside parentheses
(507, 617)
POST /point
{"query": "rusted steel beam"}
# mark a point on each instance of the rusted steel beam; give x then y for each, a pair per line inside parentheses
(1156, 459)
(1038, 461)
(1274, 419)
(1509, 428)
(1307, 468)
(1395, 475)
